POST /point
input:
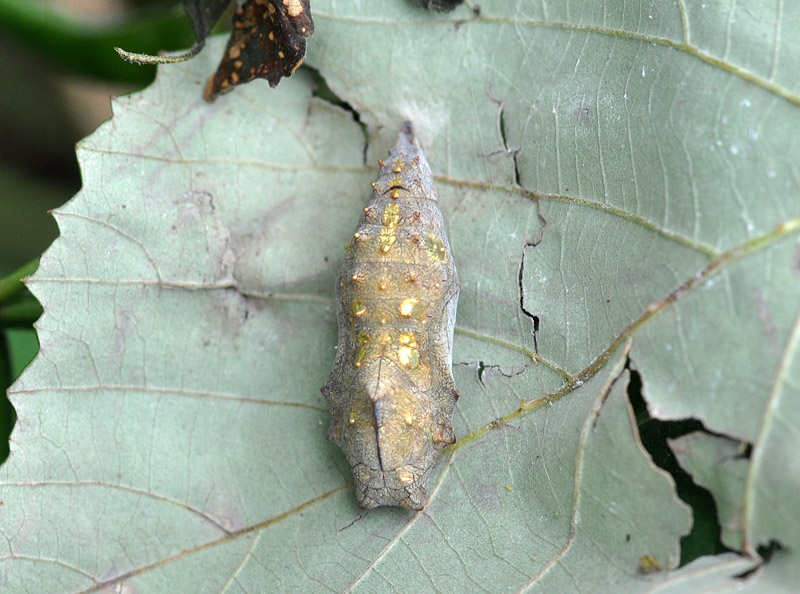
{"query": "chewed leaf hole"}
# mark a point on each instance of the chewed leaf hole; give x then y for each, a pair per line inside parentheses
(704, 537)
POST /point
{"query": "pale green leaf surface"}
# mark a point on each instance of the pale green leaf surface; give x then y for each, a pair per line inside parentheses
(718, 464)
(618, 537)
(715, 573)
(171, 431)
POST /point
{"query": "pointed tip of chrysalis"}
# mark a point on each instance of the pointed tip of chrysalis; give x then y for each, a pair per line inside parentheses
(407, 135)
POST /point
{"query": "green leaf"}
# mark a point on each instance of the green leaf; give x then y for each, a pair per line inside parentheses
(619, 187)
(719, 465)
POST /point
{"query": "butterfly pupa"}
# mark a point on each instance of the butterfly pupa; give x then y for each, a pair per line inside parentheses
(391, 392)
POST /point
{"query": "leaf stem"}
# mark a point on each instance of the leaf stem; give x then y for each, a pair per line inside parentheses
(11, 284)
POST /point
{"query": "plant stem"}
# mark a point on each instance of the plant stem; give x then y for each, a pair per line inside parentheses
(11, 284)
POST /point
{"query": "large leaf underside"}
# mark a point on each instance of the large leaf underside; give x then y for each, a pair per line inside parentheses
(621, 191)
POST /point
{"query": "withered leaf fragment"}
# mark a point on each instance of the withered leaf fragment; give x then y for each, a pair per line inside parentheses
(268, 40)
(391, 391)
(203, 14)
(440, 5)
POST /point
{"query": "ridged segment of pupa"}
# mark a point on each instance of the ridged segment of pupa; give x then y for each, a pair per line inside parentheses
(391, 391)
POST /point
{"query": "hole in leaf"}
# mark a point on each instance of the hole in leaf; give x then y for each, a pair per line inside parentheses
(704, 538)
(768, 550)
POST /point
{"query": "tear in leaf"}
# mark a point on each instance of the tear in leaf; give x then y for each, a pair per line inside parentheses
(441, 5)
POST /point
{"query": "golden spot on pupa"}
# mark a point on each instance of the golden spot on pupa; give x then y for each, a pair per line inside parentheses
(411, 276)
(394, 194)
(405, 477)
(398, 167)
(408, 339)
(409, 419)
(396, 182)
(271, 36)
(435, 247)
(383, 285)
(409, 307)
(408, 356)
(380, 163)
(358, 308)
(352, 419)
(387, 237)
(360, 356)
(391, 215)
(280, 55)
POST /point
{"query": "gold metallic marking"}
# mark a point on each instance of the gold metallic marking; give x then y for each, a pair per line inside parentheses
(409, 357)
(408, 307)
(391, 216)
(405, 477)
(358, 308)
(408, 339)
(360, 355)
(387, 237)
(435, 247)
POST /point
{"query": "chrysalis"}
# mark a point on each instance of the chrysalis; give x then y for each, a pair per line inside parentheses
(391, 391)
